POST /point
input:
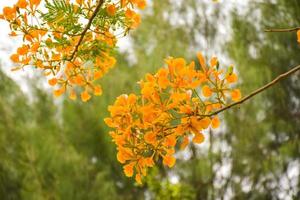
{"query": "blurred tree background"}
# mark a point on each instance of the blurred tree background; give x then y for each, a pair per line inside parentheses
(61, 149)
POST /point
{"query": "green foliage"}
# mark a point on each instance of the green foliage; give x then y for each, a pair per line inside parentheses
(163, 189)
(264, 153)
(39, 158)
(64, 15)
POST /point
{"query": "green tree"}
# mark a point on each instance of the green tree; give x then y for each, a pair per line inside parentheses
(38, 160)
(264, 133)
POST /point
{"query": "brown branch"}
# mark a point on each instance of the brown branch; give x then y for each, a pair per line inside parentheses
(249, 96)
(283, 30)
(259, 90)
(97, 9)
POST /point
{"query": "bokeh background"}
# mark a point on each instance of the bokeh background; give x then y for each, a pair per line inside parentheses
(60, 149)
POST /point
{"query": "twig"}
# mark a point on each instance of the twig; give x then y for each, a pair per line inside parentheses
(283, 30)
(259, 90)
(100, 3)
(249, 96)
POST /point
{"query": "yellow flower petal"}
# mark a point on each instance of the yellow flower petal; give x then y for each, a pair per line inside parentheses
(236, 95)
(215, 122)
(206, 91)
(169, 161)
(85, 96)
(198, 138)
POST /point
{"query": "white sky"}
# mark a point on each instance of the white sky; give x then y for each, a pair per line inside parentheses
(8, 45)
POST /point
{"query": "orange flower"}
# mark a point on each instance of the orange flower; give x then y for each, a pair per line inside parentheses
(206, 91)
(79, 80)
(52, 81)
(132, 98)
(85, 96)
(56, 57)
(34, 2)
(98, 90)
(15, 58)
(298, 36)
(150, 137)
(22, 4)
(128, 169)
(26, 61)
(35, 46)
(163, 80)
(9, 13)
(133, 17)
(236, 95)
(205, 122)
(121, 157)
(97, 75)
(124, 154)
(13, 34)
(80, 2)
(129, 13)
(184, 143)
(43, 47)
(109, 122)
(195, 124)
(170, 141)
(168, 108)
(111, 9)
(124, 3)
(138, 178)
(23, 50)
(214, 61)
(136, 20)
(141, 4)
(72, 95)
(201, 61)
(232, 78)
(147, 89)
(149, 162)
(59, 92)
(215, 122)
(28, 37)
(198, 138)
(169, 160)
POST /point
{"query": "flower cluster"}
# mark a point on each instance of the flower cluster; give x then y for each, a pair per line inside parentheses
(72, 42)
(175, 105)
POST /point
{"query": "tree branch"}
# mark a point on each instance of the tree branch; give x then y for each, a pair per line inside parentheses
(259, 90)
(97, 9)
(283, 30)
